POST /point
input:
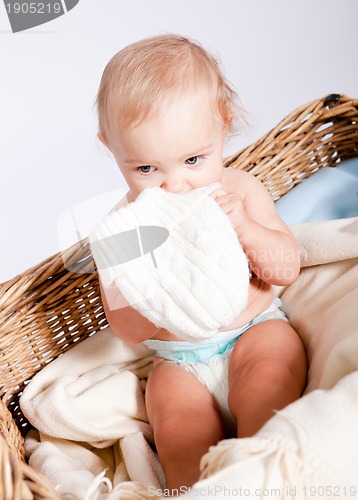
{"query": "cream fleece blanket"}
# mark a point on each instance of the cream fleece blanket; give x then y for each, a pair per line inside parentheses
(89, 411)
(313, 443)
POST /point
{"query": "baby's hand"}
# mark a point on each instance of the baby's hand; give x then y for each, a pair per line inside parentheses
(232, 205)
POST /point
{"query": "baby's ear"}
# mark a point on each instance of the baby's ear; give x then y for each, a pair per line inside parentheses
(103, 140)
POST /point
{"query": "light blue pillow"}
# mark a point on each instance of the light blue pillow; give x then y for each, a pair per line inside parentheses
(329, 193)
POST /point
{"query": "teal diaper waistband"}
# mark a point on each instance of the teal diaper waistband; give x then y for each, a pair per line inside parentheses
(201, 353)
(222, 343)
(194, 353)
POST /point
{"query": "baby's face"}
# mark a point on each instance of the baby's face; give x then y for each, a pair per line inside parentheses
(178, 149)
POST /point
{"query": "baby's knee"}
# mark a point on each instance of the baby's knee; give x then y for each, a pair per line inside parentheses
(276, 371)
(157, 395)
(168, 396)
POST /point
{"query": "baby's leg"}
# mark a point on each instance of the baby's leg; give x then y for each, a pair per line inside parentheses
(267, 371)
(185, 421)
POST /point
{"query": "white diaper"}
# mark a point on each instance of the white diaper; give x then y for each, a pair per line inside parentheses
(213, 373)
(209, 361)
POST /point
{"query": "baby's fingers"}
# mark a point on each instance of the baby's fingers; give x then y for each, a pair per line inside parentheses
(218, 193)
(221, 196)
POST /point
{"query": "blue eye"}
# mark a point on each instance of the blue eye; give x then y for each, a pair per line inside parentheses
(193, 160)
(146, 169)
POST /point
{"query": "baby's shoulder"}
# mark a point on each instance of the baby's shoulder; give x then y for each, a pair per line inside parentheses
(239, 181)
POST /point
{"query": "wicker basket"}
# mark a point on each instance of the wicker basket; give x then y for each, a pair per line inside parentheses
(48, 309)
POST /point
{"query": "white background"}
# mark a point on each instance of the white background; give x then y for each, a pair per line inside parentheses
(279, 54)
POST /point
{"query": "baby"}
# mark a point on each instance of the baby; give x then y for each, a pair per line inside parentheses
(165, 110)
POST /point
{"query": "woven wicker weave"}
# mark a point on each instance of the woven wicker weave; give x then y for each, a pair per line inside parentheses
(46, 310)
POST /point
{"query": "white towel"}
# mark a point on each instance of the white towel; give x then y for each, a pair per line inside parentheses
(201, 281)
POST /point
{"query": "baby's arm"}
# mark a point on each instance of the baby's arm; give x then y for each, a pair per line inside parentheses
(271, 248)
(125, 321)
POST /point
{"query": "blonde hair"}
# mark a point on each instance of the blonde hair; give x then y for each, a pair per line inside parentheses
(140, 77)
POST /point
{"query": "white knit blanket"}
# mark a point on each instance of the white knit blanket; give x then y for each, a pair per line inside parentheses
(176, 259)
(95, 442)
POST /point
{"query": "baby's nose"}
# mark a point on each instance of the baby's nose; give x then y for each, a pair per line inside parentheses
(173, 184)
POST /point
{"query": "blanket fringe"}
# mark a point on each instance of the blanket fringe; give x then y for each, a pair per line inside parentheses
(95, 490)
(280, 455)
(131, 490)
(127, 490)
